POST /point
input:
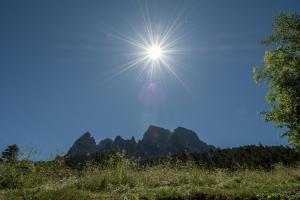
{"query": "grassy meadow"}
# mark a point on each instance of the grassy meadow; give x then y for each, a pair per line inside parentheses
(121, 178)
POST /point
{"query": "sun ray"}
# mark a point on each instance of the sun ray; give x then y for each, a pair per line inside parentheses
(175, 75)
(127, 67)
(152, 48)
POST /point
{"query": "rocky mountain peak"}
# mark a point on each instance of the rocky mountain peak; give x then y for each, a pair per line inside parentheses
(105, 144)
(156, 141)
(156, 135)
(85, 144)
(119, 139)
(185, 134)
(183, 138)
(132, 139)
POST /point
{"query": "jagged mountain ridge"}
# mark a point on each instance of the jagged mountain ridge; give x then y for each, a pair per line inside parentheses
(156, 141)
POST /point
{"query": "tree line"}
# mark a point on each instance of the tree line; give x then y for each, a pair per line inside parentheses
(251, 156)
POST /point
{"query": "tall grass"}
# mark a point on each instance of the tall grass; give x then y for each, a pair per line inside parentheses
(121, 178)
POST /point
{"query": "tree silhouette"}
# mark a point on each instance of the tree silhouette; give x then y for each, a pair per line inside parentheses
(11, 153)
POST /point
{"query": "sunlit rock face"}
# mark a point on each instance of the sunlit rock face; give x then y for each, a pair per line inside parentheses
(156, 141)
(84, 145)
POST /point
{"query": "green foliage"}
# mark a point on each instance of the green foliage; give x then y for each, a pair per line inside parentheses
(123, 178)
(11, 176)
(59, 194)
(116, 172)
(281, 72)
(15, 175)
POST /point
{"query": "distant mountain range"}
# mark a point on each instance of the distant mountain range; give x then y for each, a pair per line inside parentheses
(156, 141)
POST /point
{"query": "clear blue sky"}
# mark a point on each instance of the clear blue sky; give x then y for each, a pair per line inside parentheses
(56, 58)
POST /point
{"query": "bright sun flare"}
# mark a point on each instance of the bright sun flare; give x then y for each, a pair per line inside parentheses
(155, 52)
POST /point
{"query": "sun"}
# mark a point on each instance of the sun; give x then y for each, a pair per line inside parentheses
(154, 52)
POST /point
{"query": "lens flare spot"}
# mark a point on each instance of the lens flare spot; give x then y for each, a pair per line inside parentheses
(152, 94)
